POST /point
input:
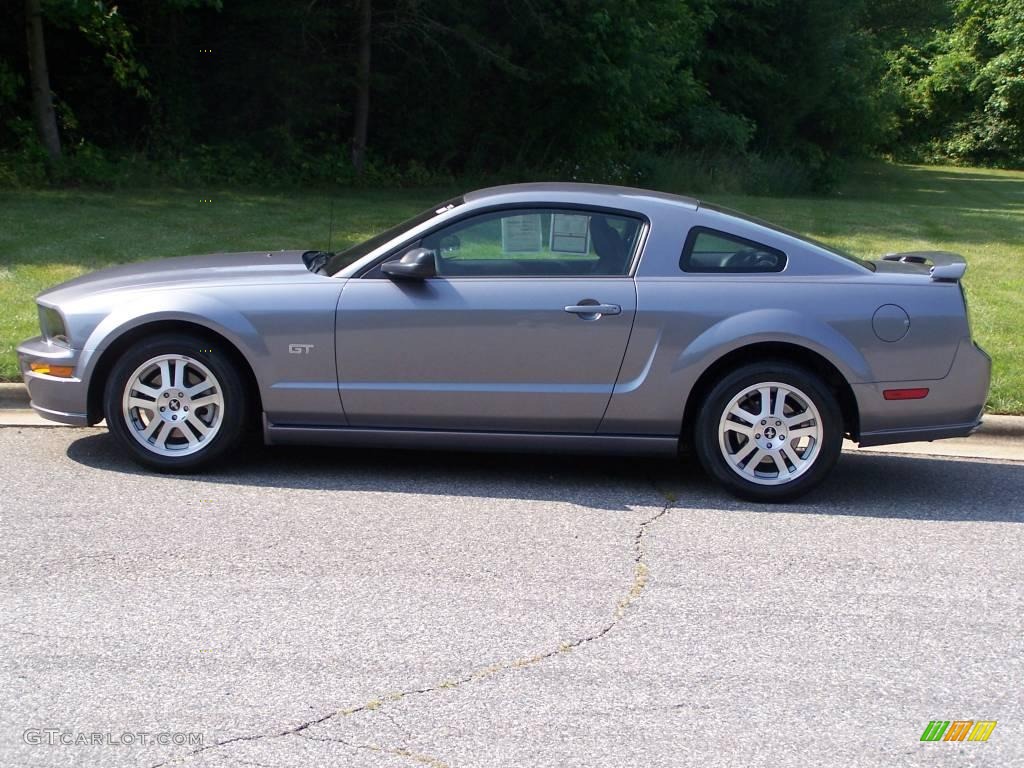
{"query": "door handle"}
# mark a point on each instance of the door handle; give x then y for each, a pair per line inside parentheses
(593, 310)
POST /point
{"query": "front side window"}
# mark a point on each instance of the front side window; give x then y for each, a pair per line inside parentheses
(342, 259)
(536, 242)
(708, 250)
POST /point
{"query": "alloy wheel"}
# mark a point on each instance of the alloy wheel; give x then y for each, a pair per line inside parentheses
(770, 433)
(173, 405)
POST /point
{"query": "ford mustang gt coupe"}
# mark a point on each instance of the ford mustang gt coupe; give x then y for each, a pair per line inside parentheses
(533, 317)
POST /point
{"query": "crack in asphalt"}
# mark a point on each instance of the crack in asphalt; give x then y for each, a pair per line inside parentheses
(641, 574)
(408, 754)
(46, 636)
(394, 722)
(77, 559)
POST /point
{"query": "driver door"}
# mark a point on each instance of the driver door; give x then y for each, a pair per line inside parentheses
(522, 327)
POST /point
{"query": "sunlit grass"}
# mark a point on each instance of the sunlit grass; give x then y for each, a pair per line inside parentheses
(50, 236)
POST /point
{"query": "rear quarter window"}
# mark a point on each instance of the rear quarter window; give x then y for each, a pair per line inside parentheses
(712, 251)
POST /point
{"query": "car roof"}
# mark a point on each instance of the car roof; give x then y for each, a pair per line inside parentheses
(574, 192)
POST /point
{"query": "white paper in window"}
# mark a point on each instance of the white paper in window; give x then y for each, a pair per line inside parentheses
(521, 234)
(570, 233)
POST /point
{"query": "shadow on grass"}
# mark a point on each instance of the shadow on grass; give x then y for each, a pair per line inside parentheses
(935, 186)
(92, 229)
(863, 484)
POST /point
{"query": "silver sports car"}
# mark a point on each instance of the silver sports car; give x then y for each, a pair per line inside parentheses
(550, 317)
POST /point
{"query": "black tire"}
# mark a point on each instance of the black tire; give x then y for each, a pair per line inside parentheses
(715, 458)
(233, 416)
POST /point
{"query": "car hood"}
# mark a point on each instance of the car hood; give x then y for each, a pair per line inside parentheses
(185, 271)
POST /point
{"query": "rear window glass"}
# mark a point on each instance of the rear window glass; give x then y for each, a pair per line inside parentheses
(816, 243)
(708, 250)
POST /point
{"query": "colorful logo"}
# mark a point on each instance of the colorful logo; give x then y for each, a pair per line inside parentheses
(958, 730)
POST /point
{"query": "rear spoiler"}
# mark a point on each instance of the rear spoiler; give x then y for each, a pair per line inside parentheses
(946, 267)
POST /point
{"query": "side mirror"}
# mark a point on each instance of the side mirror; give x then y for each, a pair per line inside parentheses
(416, 264)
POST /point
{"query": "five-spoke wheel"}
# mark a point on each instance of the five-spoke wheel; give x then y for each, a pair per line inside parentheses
(173, 405)
(769, 431)
(175, 401)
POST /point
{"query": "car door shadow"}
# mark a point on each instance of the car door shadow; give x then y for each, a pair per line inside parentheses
(862, 484)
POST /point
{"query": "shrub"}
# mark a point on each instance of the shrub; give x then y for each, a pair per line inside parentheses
(734, 173)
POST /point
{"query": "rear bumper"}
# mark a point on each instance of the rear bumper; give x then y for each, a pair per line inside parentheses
(953, 407)
(64, 400)
(888, 437)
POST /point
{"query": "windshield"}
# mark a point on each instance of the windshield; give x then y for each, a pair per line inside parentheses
(824, 246)
(342, 259)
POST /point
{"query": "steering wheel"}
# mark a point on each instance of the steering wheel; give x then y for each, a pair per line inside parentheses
(752, 259)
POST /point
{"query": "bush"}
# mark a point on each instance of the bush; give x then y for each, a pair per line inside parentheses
(237, 165)
(735, 173)
(25, 164)
(232, 164)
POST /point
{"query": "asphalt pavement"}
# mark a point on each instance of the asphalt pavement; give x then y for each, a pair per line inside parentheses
(305, 608)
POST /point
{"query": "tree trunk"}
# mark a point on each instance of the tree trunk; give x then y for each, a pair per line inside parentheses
(362, 116)
(39, 77)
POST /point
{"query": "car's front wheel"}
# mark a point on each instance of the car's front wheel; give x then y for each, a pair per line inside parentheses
(769, 431)
(175, 402)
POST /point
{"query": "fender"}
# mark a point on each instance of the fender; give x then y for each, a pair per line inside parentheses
(652, 398)
(773, 325)
(233, 325)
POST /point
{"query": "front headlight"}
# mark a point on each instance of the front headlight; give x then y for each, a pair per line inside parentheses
(52, 326)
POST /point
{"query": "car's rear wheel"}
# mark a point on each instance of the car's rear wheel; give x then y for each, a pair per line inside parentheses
(175, 403)
(769, 431)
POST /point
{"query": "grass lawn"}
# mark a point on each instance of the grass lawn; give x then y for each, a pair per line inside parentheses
(50, 236)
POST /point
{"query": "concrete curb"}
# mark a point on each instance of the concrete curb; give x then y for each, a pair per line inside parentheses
(15, 397)
(1009, 427)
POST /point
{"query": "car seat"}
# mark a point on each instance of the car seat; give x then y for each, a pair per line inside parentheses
(609, 246)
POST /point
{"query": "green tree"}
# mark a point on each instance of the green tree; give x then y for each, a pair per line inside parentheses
(963, 88)
(803, 72)
(533, 84)
(43, 113)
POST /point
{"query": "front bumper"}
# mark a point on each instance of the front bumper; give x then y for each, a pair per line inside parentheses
(64, 400)
(953, 407)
